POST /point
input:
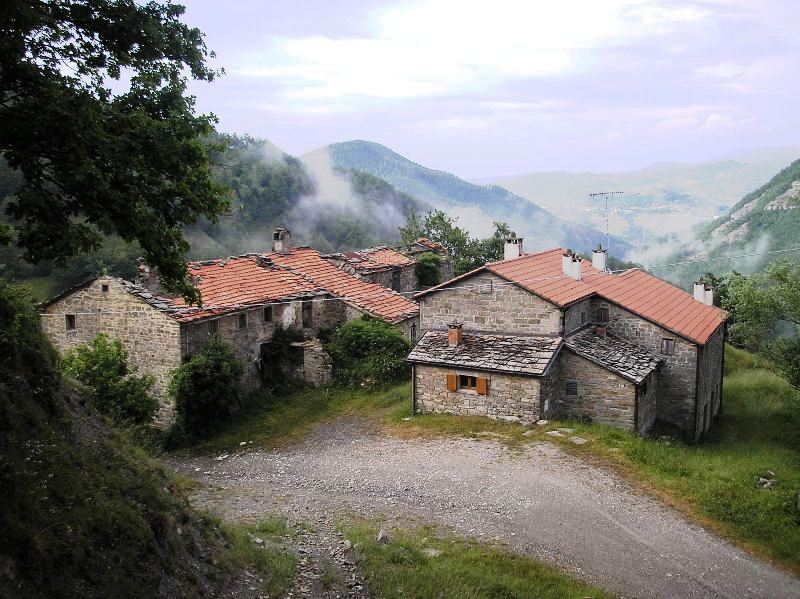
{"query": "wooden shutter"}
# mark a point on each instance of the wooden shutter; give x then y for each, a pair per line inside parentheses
(483, 386)
(452, 382)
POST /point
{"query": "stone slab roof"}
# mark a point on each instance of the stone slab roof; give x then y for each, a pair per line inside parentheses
(528, 356)
(635, 290)
(612, 353)
(375, 259)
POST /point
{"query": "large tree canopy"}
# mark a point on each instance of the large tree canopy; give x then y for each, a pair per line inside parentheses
(98, 156)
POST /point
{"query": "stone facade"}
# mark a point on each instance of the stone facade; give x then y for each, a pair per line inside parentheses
(402, 279)
(316, 368)
(152, 339)
(647, 403)
(577, 315)
(488, 303)
(587, 390)
(709, 378)
(508, 397)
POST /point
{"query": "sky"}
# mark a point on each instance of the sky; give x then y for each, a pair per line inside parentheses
(502, 87)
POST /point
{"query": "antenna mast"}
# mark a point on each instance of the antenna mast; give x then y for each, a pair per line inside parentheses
(605, 195)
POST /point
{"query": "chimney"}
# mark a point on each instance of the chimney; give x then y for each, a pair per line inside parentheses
(576, 267)
(709, 295)
(512, 248)
(566, 263)
(700, 291)
(454, 334)
(600, 258)
(147, 278)
(600, 331)
(282, 241)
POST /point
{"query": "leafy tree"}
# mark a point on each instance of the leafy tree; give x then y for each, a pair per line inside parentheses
(97, 157)
(368, 351)
(117, 391)
(205, 387)
(428, 269)
(766, 315)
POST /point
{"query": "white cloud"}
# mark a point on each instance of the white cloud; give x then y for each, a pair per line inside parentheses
(438, 47)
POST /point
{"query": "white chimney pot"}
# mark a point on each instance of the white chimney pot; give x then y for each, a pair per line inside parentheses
(709, 295)
(512, 248)
(700, 292)
(600, 259)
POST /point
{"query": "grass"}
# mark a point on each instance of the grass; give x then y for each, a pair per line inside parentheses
(463, 569)
(274, 568)
(276, 422)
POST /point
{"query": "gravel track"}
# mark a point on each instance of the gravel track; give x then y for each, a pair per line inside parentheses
(540, 501)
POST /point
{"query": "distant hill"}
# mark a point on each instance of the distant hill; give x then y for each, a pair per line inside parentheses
(662, 202)
(476, 206)
(766, 219)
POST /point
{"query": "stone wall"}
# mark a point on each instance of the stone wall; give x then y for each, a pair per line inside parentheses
(404, 282)
(509, 397)
(549, 385)
(151, 338)
(505, 309)
(708, 377)
(601, 395)
(647, 403)
(577, 315)
(677, 376)
(317, 367)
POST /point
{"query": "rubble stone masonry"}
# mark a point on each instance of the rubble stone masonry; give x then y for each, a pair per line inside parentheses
(509, 397)
(601, 395)
(708, 378)
(486, 302)
(151, 338)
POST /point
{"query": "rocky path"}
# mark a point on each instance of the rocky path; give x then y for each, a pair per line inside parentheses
(541, 501)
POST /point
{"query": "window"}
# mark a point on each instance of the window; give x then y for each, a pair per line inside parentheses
(602, 315)
(467, 382)
(243, 320)
(213, 326)
(572, 388)
(668, 347)
(104, 288)
(413, 333)
(485, 286)
(396, 280)
(267, 313)
(583, 317)
(308, 307)
(70, 322)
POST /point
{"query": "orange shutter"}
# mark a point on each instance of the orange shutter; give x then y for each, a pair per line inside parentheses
(452, 382)
(483, 386)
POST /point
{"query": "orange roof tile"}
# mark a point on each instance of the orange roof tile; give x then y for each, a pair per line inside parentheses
(635, 290)
(369, 297)
(388, 256)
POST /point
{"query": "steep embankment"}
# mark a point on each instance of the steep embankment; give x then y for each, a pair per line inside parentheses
(84, 514)
(766, 220)
(476, 206)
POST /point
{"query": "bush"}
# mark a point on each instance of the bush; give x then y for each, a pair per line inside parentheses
(429, 271)
(278, 357)
(368, 351)
(205, 386)
(116, 390)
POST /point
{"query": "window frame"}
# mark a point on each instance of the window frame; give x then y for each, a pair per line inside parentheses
(307, 313)
(603, 314)
(583, 316)
(267, 314)
(668, 346)
(104, 288)
(213, 326)
(468, 382)
(70, 322)
(571, 388)
(241, 321)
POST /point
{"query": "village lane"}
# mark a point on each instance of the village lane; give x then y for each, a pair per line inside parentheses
(541, 501)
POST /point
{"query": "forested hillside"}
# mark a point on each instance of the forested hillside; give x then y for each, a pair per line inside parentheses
(765, 220)
(476, 206)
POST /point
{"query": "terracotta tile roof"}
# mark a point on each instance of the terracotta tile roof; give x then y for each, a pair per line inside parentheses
(498, 353)
(228, 284)
(612, 353)
(389, 256)
(431, 245)
(374, 259)
(635, 290)
(369, 297)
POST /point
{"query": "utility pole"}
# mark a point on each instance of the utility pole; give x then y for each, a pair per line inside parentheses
(605, 195)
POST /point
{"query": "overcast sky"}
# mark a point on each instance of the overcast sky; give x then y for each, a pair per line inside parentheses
(504, 87)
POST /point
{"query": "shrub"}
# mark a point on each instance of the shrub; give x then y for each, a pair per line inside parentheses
(279, 357)
(429, 271)
(205, 386)
(116, 390)
(368, 351)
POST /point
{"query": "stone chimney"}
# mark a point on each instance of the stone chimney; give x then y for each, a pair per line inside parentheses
(455, 331)
(600, 258)
(147, 278)
(512, 248)
(600, 331)
(282, 241)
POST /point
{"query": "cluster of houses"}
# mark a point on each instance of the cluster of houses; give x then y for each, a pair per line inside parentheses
(530, 337)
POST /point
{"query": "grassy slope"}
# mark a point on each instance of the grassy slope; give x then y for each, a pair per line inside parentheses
(713, 482)
(463, 570)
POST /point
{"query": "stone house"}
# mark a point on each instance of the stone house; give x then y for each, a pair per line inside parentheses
(382, 265)
(631, 348)
(426, 246)
(245, 298)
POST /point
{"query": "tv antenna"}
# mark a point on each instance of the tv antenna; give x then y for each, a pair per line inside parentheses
(605, 195)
